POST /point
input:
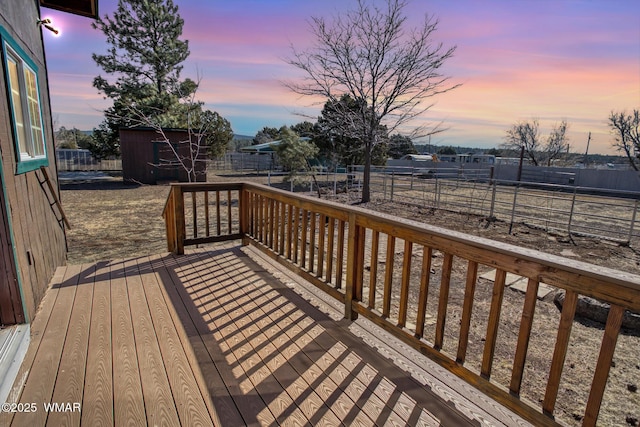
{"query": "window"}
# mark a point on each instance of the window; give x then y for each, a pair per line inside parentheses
(24, 99)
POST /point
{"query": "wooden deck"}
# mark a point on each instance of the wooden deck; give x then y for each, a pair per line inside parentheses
(217, 337)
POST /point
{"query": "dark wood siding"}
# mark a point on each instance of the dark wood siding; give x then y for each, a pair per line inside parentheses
(39, 239)
(10, 301)
(143, 150)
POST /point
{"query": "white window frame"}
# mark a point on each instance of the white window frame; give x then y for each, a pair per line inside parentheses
(23, 91)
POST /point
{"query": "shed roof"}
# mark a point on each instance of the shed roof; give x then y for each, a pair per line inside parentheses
(265, 147)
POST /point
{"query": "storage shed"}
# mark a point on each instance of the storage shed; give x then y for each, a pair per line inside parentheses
(148, 158)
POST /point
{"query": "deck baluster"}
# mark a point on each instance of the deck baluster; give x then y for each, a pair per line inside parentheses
(467, 307)
(443, 300)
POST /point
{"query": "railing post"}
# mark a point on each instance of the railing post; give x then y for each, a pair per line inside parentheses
(243, 208)
(180, 227)
(169, 222)
(355, 246)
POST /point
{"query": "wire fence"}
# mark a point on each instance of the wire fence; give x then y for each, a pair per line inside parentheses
(573, 210)
(70, 160)
(570, 209)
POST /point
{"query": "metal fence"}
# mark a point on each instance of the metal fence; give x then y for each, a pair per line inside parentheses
(566, 209)
(81, 160)
(244, 162)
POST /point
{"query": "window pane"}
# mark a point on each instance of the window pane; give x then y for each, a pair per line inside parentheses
(34, 112)
(16, 99)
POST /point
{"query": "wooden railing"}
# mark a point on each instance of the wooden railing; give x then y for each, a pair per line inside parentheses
(213, 210)
(350, 253)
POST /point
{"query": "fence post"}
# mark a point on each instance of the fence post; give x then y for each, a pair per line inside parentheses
(412, 171)
(633, 220)
(384, 185)
(573, 203)
(436, 194)
(393, 180)
(513, 207)
(493, 200)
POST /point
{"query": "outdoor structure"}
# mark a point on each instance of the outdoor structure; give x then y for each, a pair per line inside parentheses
(148, 159)
(265, 147)
(31, 219)
(338, 248)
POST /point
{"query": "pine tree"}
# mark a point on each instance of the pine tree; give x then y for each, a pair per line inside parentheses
(144, 62)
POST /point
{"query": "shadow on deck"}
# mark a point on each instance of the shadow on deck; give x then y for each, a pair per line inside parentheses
(222, 337)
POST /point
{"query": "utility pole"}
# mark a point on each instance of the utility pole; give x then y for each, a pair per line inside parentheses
(586, 153)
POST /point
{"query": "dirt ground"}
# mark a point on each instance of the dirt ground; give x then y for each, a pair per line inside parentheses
(111, 220)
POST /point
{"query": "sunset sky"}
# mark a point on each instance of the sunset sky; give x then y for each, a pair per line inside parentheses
(516, 60)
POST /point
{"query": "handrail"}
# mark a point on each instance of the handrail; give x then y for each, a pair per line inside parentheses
(176, 211)
(337, 247)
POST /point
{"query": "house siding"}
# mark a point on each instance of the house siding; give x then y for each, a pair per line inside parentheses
(37, 234)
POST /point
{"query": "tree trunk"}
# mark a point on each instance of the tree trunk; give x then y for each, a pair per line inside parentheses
(631, 159)
(366, 179)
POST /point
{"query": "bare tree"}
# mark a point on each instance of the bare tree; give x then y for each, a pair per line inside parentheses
(524, 136)
(388, 69)
(626, 132)
(557, 142)
(187, 152)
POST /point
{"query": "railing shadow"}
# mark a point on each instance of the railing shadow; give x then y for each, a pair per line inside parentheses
(278, 356)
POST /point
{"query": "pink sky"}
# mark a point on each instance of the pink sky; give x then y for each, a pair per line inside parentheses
(517, 60)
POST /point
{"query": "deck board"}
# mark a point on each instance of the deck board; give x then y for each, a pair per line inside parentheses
(189, 402)
(208, 338)
(128, 405)
(69, 386)
(44, 369)
(37, 332)
(220, 405)
(249, 407)
(97, 402)
(213, 303)
(257, 331)
(158, 400)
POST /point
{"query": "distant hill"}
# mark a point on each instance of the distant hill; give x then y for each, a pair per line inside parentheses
(240, 141)
(242, 137)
